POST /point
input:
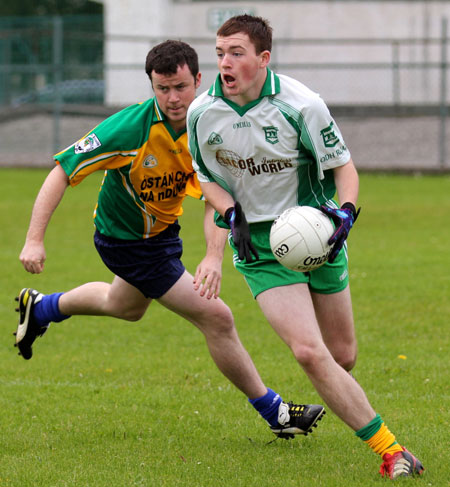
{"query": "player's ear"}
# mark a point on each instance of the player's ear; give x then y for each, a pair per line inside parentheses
(198, 80)
(265, 58)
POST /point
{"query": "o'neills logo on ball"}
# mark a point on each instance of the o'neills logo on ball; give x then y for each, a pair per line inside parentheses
(313, 261)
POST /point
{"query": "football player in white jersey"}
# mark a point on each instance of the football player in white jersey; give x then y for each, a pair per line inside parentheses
(261, 143)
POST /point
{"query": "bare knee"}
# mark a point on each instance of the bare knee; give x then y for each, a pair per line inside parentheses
(346, 359)
(126, 308)
(131, 314)
(134, 315)
(344, 354)
(309, 355)
(218, 321)
(222, 320)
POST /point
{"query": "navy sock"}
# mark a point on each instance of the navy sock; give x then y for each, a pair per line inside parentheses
(267, 406)
(47, 310)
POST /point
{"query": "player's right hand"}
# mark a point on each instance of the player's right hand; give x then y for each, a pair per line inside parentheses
(235, 218)
(343, 218)
(33, 257)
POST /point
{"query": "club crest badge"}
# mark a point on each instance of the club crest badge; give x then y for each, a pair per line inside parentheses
(150, 161)
(215, 139)
(330, 139)
(88, 144)
(271, 134)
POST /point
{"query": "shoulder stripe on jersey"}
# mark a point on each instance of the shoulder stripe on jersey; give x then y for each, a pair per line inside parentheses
(101, 157)
(311, 186)
(297, 121)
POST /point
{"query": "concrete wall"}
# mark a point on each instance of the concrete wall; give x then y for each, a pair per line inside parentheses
(133, 26)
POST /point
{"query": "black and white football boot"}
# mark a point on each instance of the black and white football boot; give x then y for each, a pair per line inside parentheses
(297, 419)
(27, 329)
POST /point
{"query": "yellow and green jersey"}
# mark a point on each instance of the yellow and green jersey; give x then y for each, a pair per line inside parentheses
(148, 171)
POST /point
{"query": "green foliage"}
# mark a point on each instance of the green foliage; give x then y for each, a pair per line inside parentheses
(109, 403)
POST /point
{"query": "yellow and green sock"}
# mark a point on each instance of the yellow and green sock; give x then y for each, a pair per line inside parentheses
(377, 435)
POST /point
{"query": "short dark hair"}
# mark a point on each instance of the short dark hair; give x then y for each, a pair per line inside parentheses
(257, 29)
(167, 56)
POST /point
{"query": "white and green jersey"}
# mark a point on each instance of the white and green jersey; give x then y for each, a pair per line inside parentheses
(270, 154)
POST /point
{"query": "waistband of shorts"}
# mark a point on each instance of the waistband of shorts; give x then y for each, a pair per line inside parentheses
(171, 231)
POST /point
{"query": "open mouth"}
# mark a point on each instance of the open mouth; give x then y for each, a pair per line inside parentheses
(228, 79)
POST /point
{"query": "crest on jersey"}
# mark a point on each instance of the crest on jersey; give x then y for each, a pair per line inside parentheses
(271, 134)
(330, 139)
(215, 139)
(88, 144)
(150, 161)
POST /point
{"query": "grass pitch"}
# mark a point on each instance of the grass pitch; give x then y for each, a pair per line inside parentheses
(109, 403)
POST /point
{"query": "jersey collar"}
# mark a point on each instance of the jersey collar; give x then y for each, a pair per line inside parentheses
(158, 115)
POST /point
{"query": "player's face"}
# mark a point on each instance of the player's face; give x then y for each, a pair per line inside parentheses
(242, 71)
(174, 93)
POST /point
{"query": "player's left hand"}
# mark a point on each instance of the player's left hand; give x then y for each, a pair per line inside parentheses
(343, 219)
(235, 218)
(208, 277)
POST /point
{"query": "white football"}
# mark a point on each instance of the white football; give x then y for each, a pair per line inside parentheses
(299, 238)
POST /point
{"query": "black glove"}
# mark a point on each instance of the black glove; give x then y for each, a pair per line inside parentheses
(343, 218)
(235, 218)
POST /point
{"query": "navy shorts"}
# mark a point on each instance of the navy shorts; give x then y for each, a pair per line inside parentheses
(152, 265)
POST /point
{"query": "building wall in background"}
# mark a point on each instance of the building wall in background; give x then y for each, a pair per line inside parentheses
(133, 26)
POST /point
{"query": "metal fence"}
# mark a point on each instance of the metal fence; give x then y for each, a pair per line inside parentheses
(41, 58)
(389, 96)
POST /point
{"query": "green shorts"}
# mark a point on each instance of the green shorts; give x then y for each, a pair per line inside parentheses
(267, 272)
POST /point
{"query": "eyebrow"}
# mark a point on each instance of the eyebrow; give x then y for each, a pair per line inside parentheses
(166, 85)
(237, 46)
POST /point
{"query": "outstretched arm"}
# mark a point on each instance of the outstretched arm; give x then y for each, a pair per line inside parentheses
(347, 186)
(208, 275)
(33, 253)
(347, 183)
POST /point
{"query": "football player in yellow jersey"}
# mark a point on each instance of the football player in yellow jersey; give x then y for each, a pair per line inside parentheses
(148, 172)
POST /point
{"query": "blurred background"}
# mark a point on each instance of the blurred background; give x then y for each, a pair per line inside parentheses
(383, 68)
